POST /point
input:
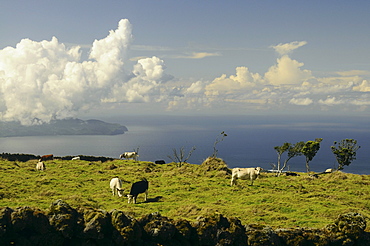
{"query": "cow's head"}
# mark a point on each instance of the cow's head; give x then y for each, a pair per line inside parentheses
(258, 169)
(120, 192)
(130, 198)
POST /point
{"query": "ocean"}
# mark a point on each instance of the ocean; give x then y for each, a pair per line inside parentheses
(250, 140)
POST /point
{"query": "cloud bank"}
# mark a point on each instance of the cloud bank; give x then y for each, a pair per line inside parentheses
(45, 80)
(40, 81)
(285, 87)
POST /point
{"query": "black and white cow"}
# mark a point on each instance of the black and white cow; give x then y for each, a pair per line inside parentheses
(40, 166)
(129, 155)
(138, 188)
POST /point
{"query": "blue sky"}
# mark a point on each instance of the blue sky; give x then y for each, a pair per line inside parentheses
(75, 58)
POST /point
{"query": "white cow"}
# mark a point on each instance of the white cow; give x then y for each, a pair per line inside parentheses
(128, 155)
(76, 158)
(116, 186)
(40, 166)
(245, 173)
(329, 170)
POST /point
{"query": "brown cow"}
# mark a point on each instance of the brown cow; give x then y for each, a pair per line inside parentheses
(46, 157)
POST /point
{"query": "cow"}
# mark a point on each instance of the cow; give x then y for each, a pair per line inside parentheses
(46, 157)
(329, 170)
(137, 188)
(40, 166)
(291, 174)
(76, 158)
(129, 155)
(160, 162)
(116, 186)
(245, 173)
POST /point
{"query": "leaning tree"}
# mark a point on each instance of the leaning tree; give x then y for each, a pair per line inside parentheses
(293, 151)
(280, 150)
(309, 150)
(345, 152)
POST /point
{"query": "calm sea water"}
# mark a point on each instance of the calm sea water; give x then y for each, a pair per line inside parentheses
(250, 140)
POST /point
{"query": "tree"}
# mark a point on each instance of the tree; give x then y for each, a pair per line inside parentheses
(345, 152)
(218, 139)
(280, 151)
(293, 151)
(309, 150)
(179, 157)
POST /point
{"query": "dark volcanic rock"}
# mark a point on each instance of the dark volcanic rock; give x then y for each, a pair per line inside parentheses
(347, 228)
(64, 218)
(218, 230)
(64, 225)
(5, 214)
(126, 229)
(97, 224)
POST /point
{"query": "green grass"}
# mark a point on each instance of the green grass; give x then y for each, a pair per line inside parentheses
(187, 192)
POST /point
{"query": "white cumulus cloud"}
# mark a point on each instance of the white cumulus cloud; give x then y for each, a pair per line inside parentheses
(287, 72)
(243, 80)
(45, 80)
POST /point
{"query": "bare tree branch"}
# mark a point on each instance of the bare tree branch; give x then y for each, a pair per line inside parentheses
(179, 157)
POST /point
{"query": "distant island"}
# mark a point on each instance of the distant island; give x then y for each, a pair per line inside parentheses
(70, 126)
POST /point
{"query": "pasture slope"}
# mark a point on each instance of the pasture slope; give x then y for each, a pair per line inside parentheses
(188, 192)
(75, 195)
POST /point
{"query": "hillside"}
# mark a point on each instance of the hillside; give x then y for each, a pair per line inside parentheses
(187, 192)
(61, 127)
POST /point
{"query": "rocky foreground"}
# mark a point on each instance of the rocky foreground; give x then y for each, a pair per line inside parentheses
(63, 225)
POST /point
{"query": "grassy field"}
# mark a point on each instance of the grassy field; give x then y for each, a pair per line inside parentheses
(187, 191)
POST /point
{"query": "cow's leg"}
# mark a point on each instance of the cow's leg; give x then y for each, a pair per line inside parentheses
(146, 195)
(233, 181)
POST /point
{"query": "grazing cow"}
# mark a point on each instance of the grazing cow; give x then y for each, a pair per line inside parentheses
(46, 157)
(245, 173)
(76, 158)
(137, 188)
(116, 186)
(160, 162)
(329, 170)
(128, 155)
(40, 166)
(291, 174)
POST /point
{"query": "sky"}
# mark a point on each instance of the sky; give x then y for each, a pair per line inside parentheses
(88, 58)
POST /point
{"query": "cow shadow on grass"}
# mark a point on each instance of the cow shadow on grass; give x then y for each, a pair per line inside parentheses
(155, 199)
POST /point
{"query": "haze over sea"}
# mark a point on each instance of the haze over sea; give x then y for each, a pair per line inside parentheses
(250, 140)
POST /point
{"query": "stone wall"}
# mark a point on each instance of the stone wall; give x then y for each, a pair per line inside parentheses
(64, 225)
